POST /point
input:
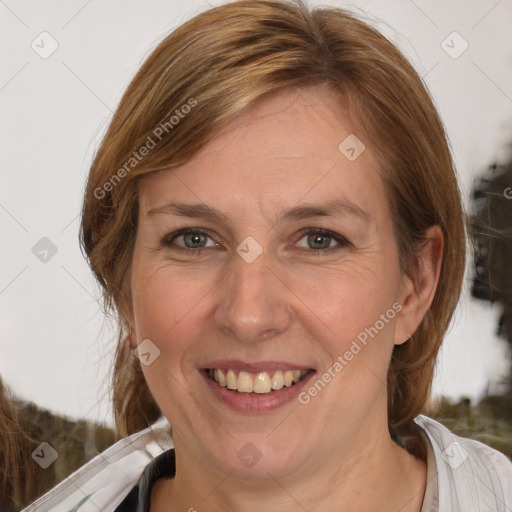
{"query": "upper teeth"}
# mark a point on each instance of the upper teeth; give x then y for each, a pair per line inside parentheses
(259, 383)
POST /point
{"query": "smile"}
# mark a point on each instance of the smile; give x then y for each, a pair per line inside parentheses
(255, 382)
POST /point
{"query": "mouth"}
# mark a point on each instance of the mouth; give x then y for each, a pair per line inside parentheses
(256, 387)
(252, 383)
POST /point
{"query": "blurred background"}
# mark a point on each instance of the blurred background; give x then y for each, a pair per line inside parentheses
(63, 69)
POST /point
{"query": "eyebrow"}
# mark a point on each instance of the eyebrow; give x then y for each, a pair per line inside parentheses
(333, 208)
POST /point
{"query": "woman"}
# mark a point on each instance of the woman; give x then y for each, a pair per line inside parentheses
(275, 217)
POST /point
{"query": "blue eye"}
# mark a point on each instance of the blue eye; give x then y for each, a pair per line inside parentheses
(195, 239)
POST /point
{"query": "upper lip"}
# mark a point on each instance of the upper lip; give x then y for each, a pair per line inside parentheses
(256, 366)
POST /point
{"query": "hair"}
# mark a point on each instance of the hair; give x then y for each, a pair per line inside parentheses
(9, 448)
(224, 60)
(17, 475)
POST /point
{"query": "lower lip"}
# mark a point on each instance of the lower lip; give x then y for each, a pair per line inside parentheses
(256, 403)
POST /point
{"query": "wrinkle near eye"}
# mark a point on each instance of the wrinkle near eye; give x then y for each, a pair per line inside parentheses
(361, 266)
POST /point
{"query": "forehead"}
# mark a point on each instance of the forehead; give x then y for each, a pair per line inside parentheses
(297, 145)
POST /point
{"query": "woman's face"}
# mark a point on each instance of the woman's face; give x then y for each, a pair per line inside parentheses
(263, 291)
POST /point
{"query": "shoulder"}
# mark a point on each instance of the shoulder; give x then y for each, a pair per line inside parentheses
(107, 479)
(471, 475)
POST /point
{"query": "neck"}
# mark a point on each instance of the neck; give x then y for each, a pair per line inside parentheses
(395, 478)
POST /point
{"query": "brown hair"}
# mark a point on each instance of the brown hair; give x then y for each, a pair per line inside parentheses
(10, 457)
(222, 61)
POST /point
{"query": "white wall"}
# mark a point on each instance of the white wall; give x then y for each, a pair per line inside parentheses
(55, 346)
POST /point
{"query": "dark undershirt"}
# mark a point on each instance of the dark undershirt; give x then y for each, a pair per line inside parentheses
(139, 498)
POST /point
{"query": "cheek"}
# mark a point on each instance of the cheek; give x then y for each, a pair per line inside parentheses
(167, 311)
(163, 298)
(357, 307)
(171, 310)
(356, 335)
(350, 298)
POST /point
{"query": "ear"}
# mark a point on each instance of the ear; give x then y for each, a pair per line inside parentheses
(417, 292)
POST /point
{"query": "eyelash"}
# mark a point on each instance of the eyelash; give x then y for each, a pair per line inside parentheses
(167, 240)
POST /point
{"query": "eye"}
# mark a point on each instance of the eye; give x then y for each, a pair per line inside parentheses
(193, 238)
(320, 239)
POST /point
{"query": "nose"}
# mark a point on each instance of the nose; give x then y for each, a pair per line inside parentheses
(254, 302)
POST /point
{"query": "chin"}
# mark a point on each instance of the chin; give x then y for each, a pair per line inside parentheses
(256, 457)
